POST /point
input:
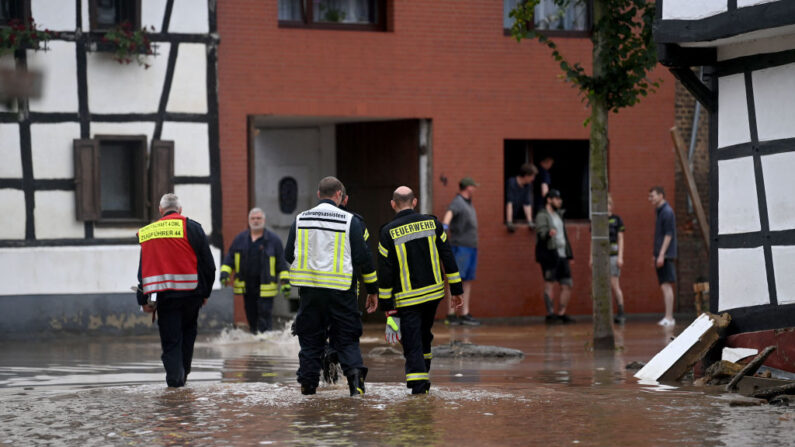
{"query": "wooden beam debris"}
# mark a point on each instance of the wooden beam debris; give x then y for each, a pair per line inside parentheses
(750, 368)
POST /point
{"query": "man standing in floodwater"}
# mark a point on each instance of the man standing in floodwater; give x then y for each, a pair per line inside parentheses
(664, 251)
(413, 249)
(324, 246)
(175, 278)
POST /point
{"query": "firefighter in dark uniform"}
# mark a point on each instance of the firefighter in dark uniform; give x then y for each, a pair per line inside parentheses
(175, 277)
(324, 247)
(256, 258)
(413, 250)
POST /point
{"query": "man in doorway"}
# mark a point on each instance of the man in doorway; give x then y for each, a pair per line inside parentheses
(256, 258)
(664, 251)
(175, 277)
(542, 183)
(519, 197)
(462, 221)
(553, 252)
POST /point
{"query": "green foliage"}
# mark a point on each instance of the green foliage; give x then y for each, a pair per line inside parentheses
(627, 53)
(20, 35)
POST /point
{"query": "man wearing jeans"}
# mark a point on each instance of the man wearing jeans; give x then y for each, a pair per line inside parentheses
(462, 222)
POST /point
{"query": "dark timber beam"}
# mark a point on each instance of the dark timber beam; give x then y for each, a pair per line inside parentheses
(692, 83)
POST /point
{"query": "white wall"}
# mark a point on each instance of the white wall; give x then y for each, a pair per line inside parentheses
(11, 166)
(756, 46)
(52, 149)
(783, 268)
(55, 216)
(73, 270)
(12, 208)
(777, 171)
(733, 127)
(738, 208)
(191, 147)
(57, 15)
(774, 100)
(742, 278)
(59, 68)
(189, 16)
(189, 86)
(692, 9)
(196, 204)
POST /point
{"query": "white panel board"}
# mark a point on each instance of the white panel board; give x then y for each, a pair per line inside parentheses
(152, 12)
(56, 15)
(692, 10)
(138, 128)
(197, 204)
(784, 270)
(733, 127)
(115, 232)
(52, 149)
(738, 208)
(778, 172)
(55, 216)
(117, 88)
(190, 16)
(742, 278)
(189, 87)
(774, 99)
(756, 46)
(12, 208)
(665, 359)
(59, 66)
(191, 147)
(63, 270)
(10, 154)
(746, 3)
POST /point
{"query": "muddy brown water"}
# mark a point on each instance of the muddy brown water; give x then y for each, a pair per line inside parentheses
(88, 391)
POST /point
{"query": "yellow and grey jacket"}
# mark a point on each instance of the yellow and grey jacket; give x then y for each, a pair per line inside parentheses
(273, 265)
(413, 251)
(324, 246)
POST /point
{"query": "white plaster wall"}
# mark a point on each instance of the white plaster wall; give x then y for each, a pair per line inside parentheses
(55, 216)
(778, 172)
(774, 100)
(756, 46)
(746, 3)
(197, 204)
(191, 147)
(116, 88)
(738, 209)
(783, 266)
(189, 86)
(56, 15)
(136, 128)
(189, 16)
(12, 208)
(114, 232)
(152, 12)
(73, 270)
(11, 165)
(59, 67)
(733, 127)
(52, 149)
(742, 278)
(692, 9)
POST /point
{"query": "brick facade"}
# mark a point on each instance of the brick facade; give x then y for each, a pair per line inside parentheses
(450, 62)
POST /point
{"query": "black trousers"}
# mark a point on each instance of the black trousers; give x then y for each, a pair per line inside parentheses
(416, 337)
(177, 321)
(259, 310)
(332, 313)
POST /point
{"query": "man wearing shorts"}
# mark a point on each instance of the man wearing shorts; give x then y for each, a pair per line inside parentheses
(664, 251)
(553, 253)
(462, 221)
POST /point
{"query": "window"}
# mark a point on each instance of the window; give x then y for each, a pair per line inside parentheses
(573, 17)
(113, 184)
(14, 10)
(106, 14)
(333, 14)
(569, 171)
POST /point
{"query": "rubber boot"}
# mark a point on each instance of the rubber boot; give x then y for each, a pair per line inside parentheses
(421, 387)
(356, 381)
(307, 390)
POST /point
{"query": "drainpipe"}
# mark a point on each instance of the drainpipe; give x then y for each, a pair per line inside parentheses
(693, 135)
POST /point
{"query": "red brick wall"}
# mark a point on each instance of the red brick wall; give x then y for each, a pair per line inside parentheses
(448, 61)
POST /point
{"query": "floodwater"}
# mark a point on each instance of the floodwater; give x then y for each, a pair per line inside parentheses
(242, 391)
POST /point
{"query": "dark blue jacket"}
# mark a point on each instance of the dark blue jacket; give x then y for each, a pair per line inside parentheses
(272, 262)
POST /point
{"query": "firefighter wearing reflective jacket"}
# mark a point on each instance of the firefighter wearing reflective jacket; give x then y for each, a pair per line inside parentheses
(175, 274)
(413, 251)
(256, 258)
(324, 246)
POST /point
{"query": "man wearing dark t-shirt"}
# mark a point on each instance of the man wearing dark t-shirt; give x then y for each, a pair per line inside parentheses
(664, 251)
(519, 197)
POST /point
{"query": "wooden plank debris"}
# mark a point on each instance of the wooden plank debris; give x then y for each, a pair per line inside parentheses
(750, 368)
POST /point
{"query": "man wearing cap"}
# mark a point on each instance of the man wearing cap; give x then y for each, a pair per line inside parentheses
(462, 221)
(553, 252)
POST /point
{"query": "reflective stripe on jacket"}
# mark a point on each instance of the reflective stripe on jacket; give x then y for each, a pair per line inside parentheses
(168, 261)
(322, 249)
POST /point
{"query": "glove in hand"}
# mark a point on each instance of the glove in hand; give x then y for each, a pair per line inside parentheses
(286, 290)
(225, 279)
(392, 333)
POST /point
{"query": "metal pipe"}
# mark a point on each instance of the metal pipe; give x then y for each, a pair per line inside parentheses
(693, 137)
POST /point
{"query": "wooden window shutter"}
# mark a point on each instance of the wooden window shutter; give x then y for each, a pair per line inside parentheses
(87, 194)
(161, 172)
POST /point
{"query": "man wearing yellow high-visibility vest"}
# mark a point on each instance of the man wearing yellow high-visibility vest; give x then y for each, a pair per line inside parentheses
(324, 246)
(413, 252)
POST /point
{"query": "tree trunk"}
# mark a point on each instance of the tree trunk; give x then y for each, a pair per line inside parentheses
(600, 282)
